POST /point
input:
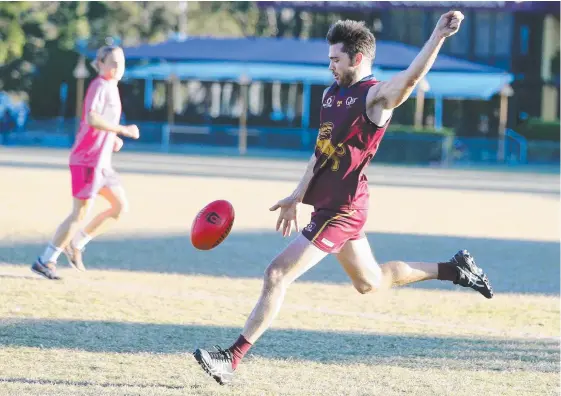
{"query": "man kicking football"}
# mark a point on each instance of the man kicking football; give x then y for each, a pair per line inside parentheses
(355, 113)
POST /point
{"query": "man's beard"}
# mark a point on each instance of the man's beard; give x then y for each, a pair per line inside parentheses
(346, 79)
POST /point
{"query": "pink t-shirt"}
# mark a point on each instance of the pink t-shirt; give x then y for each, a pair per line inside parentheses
(94, 147)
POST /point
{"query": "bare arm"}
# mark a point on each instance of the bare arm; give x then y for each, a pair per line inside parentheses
(96, 121)
(300, 191)
(289, 206)
(390, 94)
(298, 194)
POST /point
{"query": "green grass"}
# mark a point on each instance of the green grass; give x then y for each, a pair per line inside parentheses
(116, 333)
(128, 326)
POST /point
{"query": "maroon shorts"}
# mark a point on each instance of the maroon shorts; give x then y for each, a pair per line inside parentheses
(329, 230)
(87, 181)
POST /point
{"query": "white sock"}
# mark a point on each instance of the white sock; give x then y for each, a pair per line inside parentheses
(81, 239)
(51, 253)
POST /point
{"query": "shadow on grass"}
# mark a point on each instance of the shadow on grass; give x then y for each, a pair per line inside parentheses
(302, 345)
(513, 266)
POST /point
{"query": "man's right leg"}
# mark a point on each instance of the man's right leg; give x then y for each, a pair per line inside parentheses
(85, 184)
(297, 258)
(45, 264)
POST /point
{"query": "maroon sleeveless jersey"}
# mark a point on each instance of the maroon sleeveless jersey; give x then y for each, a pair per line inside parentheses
(346, 143)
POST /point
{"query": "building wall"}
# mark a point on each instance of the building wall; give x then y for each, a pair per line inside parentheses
(485, 36)
(550, 93)
(521, 42)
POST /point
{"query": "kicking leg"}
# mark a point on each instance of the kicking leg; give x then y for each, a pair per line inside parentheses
(298, 257)
(45, 264)
(358, 261)
(116, 197)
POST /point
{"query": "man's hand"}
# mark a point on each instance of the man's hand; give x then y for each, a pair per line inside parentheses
(448, 24)
(130, 131)
(287, 215)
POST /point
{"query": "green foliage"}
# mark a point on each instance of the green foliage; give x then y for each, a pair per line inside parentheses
(133, 22)
(71, 23)
(21, 43)
(234, 19)
(12, 36)
(60, 25)
(538, 129)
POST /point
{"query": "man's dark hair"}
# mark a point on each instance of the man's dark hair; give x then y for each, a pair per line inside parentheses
(354, 36)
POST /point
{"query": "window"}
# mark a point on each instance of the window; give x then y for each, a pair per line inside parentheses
(460, 42)
(483, 33)
(503, 28)
(398, 25)
(416, 27)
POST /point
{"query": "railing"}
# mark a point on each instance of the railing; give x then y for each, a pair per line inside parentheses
(522, 144)
(397, 147)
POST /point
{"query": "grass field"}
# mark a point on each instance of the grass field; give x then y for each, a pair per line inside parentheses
(128, 326)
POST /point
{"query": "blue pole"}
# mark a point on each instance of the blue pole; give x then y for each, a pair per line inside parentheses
(438, 113)
(148, 89)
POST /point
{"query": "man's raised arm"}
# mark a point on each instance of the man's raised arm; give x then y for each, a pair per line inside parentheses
(392, 93)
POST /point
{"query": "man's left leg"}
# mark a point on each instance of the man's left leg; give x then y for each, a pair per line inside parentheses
(358, 262)
(297, 258)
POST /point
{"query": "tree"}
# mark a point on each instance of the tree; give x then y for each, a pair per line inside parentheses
(132, 22)
(21, 42)
(12, 35)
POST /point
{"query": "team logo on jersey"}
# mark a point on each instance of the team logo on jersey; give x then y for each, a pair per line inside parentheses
(325, 130)
(328, 151)
(329, 102)
(339, 103)
(350, 101)
(310, 227)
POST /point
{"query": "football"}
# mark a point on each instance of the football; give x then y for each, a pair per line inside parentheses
(212, 225)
